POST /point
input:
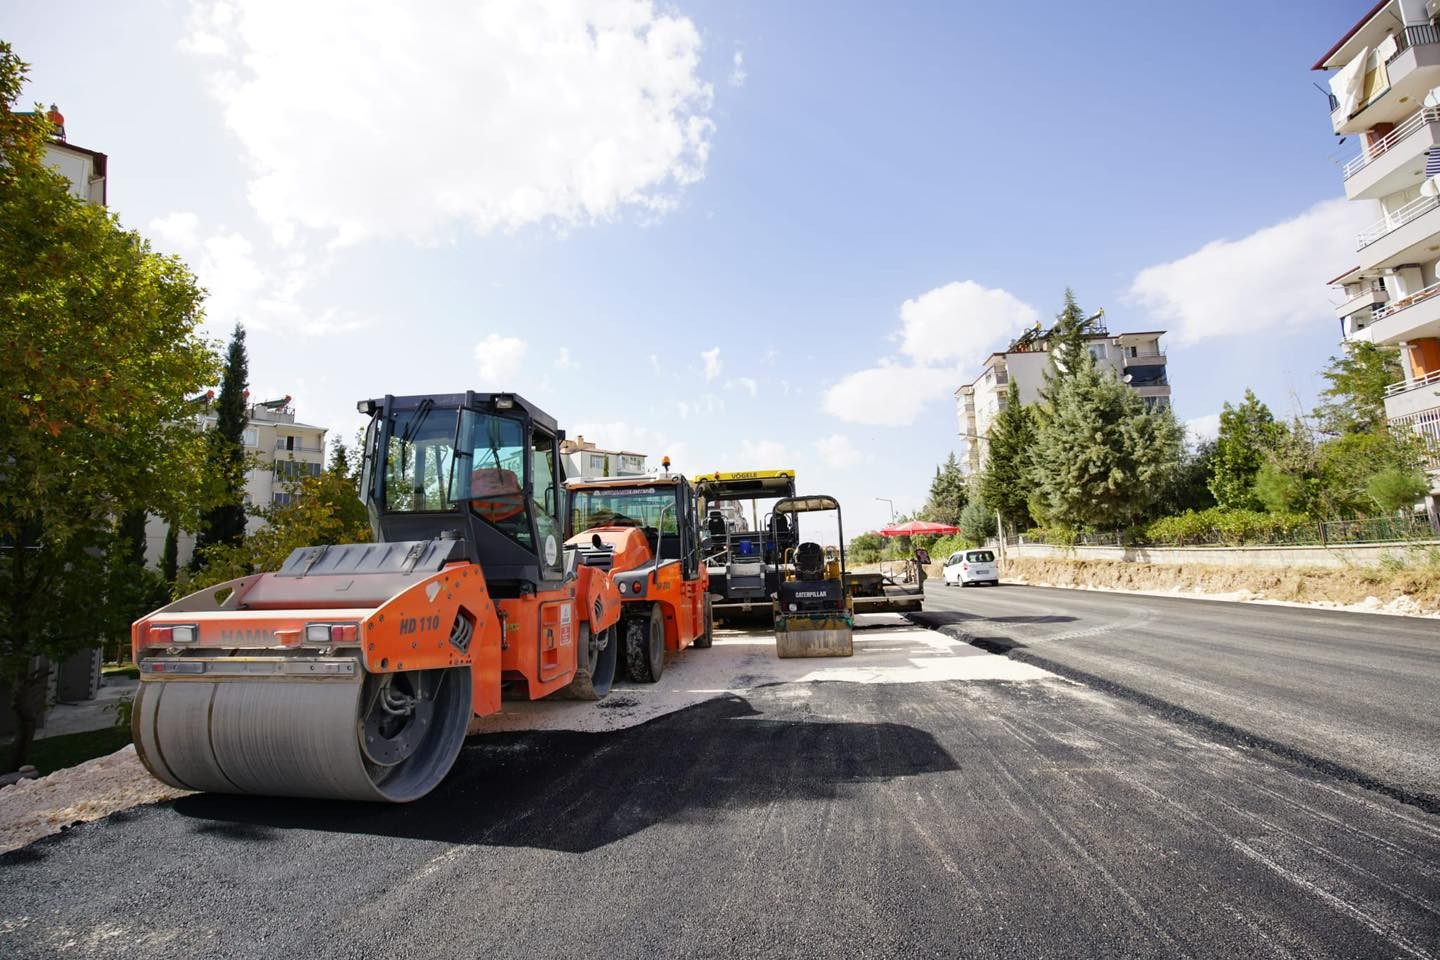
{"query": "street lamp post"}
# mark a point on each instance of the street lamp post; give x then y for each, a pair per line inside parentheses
(891, 503)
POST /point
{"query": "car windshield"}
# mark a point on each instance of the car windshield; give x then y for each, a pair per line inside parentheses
(652, 507)
(980, 556)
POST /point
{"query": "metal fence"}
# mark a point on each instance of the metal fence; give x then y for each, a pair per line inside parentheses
(1320, 533)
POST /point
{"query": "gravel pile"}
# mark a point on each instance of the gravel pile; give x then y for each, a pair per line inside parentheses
(32, 809)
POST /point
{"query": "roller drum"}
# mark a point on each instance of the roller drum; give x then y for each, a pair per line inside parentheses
(374, 737)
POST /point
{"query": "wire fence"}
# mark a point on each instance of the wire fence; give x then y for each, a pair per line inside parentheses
(1319, 533)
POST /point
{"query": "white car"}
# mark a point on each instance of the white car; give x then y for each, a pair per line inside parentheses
(971, 566)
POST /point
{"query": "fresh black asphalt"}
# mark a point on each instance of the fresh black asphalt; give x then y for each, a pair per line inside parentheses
(1036, 819)
(1355, 694)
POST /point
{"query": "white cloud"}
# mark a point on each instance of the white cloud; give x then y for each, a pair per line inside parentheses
(563, 361)
(769, 357)
(761, 455)
(713, 366)
(408, 120)
(1198, 429)
(942, 331)
(1273, 278)
(225, 265)
(961, 321)
(747, 384)
(837, 451)
(889, 396)
(737, 70)
(497, 360)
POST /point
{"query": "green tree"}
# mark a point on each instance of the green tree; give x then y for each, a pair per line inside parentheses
(1188, 487)
(949, 492)
(1396, 488)
(1069, 353)
(1101, 458)
(170, 558)
(224, 523)
(1005, 485)
(1355, 400)
(1248, 433)
(98, 350)
(323, 509)
(865, 548)
(977, 522)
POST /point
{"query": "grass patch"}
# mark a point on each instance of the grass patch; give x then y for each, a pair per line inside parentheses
(57, 753)
(121, 670)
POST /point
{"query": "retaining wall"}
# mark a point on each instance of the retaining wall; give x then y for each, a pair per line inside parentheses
(1362, 554)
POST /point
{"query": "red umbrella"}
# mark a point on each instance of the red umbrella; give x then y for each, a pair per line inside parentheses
(922, 528)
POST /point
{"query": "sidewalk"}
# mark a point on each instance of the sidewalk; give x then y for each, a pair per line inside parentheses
(88, 715)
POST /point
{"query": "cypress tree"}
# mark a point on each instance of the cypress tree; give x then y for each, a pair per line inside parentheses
(1005, 486)
(224, 523)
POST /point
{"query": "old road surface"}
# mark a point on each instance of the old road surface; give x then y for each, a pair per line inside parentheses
(1198, 781)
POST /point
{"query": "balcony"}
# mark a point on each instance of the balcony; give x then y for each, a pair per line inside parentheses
(1373, 293)
(1144, 359)
(1408, 318)
(1407, 235)
(1398, 85)
(1396, 160)
(1410, 397)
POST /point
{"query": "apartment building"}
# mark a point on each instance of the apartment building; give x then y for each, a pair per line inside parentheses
(281, 448)
(1136, 359)
(84, 168)
(1385, 94)
(585, 459)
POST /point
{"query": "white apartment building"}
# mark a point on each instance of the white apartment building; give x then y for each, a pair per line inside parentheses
(584, 459)
(281, 448)
(1136, 358)
(85, 169)
(1385, 93)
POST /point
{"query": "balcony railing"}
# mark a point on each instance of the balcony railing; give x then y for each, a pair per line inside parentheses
(1419, 296)
(1378, 149)
(1404, 386)
(1144, 357)
(1415, 208)
(1416, 35)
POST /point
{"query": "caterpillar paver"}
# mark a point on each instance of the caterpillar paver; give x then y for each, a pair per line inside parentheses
(353, 671)
(740, 555)
(645, 530)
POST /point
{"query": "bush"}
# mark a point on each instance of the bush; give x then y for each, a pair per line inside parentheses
(1230, 527)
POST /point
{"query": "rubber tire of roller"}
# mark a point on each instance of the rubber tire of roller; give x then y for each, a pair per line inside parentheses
(641, 660)
(707, 636)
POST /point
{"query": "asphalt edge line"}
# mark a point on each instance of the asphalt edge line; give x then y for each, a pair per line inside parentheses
(1237, 736)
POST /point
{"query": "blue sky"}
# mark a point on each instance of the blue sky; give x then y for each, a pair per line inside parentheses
(853, 202)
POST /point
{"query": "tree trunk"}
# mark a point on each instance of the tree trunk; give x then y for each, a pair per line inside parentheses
(27, 699)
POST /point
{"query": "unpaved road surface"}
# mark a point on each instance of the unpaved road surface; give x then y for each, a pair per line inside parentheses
(1357, 695)
(963, 816)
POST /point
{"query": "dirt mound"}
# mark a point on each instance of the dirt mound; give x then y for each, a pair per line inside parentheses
(1413, 591)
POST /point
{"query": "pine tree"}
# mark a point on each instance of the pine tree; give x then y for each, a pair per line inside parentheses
(1101, 458)
(340, 460)
(1248, 433)
(1069, 354)
(170, 559)
(1355, 400)
(948, 493)
(224, 523)
(1005, 485)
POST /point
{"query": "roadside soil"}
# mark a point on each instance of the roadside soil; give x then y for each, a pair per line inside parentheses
(1410, 591)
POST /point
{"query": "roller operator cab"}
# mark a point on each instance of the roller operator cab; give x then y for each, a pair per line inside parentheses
(353, 671)
(812, 606)
(645, 530)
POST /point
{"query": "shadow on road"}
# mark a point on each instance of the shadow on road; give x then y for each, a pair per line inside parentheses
(572, 792)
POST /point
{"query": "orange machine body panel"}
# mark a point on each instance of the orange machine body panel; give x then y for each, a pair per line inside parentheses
(532, 636)
(681, 601)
